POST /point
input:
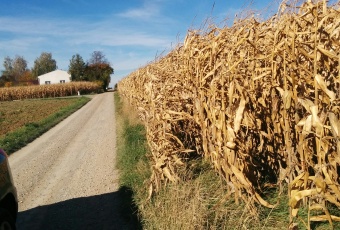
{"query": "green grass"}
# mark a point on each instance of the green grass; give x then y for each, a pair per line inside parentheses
(132, 159)
(131, 148)
(20, 137)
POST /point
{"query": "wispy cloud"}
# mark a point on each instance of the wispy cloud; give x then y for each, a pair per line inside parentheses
(104, 33)
(47, 26)
(150, 9)
(116, 37)
(142, 13)
(21, 44)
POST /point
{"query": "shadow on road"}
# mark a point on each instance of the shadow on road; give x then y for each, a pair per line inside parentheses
(108, 211)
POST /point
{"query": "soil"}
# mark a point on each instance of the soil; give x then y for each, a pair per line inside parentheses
(66, 179)
(15, 114)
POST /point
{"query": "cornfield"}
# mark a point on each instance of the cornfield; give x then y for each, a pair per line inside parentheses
(259, 100)
(45, 91)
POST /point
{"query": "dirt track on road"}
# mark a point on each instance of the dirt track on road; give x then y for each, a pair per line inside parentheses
(66, 179)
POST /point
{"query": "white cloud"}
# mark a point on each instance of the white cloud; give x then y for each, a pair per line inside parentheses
(20, 42)
(149, 9)
(138, 13)
(105, 33)
(119, 38)
(41, 26)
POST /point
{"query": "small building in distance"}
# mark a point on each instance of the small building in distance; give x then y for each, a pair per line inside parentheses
(54, 77)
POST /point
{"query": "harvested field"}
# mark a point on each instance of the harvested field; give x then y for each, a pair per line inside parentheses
(259, 100)
(15, 114)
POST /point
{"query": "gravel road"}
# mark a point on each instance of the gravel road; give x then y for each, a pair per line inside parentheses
(66, 179)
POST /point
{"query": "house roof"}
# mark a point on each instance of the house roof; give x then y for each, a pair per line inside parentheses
(56, 74)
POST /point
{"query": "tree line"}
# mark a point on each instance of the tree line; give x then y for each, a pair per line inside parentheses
(16, 72)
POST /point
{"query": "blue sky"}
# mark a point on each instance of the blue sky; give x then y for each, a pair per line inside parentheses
(130, 33)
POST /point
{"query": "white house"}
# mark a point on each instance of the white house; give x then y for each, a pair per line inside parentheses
(54, 77)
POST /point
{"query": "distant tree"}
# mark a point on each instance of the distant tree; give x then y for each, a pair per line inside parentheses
(76, 68)
(97, 69)
(7, 74)
(26, 76)
(97, 57)
(27, 79)
(43, 64)
(14, 69)
(99, 72)
(8, 65)
(8, 84)
(19, 67)
(5, 80)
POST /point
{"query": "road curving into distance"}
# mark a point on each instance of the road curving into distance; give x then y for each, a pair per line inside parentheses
(66, 179)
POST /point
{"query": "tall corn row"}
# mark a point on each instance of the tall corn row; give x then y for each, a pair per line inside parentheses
(156, 92)
(259, 100)
(45, 91)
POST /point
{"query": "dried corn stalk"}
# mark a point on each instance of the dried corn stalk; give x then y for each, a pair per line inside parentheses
(45, 91)
(260, 100)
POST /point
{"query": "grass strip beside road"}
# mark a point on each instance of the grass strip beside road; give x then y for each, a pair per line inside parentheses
(14, 140)
(131, 148)
(132, 159)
